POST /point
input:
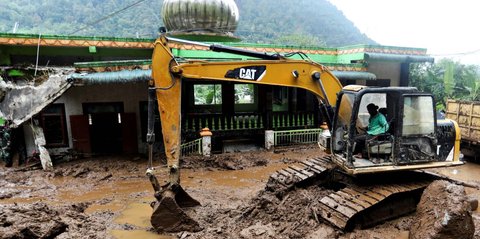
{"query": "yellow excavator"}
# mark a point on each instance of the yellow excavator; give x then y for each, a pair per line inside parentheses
(383, 181)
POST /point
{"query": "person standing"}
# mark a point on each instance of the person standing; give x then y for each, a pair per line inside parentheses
(5, 143)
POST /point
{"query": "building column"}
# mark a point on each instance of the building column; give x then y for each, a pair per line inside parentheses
(40, 142)
(206, 142)
(404, 74)
(269, 139)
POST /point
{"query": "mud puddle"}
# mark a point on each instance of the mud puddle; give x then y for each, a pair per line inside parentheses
(213, 188)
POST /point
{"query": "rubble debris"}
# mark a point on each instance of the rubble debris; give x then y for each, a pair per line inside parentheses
(19, 102)
(40, 142)
(39, 220)
(444, 211)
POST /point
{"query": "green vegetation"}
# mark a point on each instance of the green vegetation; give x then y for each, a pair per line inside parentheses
(210, 94)
(301, 22)
(447, 79)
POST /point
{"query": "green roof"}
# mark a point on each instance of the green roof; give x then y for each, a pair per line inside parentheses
(88, 38)
(329, 56)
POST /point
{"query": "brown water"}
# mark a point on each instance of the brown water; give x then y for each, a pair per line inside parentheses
(137, 212)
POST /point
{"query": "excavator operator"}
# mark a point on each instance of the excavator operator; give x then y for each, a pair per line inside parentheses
(377, 125)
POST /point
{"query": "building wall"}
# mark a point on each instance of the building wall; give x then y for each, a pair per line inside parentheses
(130, 94)
(386, 70)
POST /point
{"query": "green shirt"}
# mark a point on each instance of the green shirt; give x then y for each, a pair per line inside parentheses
(377, 124)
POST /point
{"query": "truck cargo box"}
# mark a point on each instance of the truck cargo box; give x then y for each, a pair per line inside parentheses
(467, 115)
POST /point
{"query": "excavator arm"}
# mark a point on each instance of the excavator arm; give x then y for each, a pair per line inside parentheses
(168, 74)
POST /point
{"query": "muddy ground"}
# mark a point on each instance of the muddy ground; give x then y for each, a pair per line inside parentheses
(109, 197)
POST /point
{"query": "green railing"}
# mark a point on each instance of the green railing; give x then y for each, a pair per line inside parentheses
(290, 120)
(291, 137)
(222, 122)
(191, 148)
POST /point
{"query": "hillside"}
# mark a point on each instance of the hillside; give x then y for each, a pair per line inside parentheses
(301, 22)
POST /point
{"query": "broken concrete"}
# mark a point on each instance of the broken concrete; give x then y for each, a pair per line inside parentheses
(40, 143)
(19, 102)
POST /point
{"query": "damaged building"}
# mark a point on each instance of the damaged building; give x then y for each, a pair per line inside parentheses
(89, 94)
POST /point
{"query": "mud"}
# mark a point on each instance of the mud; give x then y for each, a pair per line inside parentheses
(109, 197)
(443, 212)
(39, 220)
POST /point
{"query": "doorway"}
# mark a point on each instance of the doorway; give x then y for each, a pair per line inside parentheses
(105, 126)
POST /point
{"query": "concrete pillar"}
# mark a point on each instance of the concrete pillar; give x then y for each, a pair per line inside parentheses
(40, 142)
(269, 139)
(206, 141)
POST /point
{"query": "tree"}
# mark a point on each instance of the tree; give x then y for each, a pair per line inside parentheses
(302, 22)
(447, 79)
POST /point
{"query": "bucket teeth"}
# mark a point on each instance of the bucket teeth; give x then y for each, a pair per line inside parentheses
(168, 215)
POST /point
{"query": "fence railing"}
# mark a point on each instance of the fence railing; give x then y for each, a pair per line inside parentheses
(289, 120)
(192, 148)
(302, 136)
(222, 122)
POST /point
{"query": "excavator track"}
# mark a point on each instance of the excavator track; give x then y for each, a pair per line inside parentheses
(369, 205)
(297, 175)
(355, 202)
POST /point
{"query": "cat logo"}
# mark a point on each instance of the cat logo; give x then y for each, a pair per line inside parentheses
(255, 73)
(247, 74)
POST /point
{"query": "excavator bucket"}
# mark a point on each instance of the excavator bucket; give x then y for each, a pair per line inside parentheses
(168, 215)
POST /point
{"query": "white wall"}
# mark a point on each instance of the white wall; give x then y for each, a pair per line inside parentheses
(130, 94)
(386, 70)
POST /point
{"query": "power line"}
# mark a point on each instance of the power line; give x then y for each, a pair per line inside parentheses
(106, 17)
(458, 53)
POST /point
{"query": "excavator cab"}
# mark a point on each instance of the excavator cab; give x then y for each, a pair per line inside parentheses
(408, 142)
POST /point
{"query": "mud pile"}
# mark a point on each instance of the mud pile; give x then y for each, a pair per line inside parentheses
(239, 161)
(267, 216)
(227, 211)
(294, 214)
(226, 161)
(443, 212)
(39, 220)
